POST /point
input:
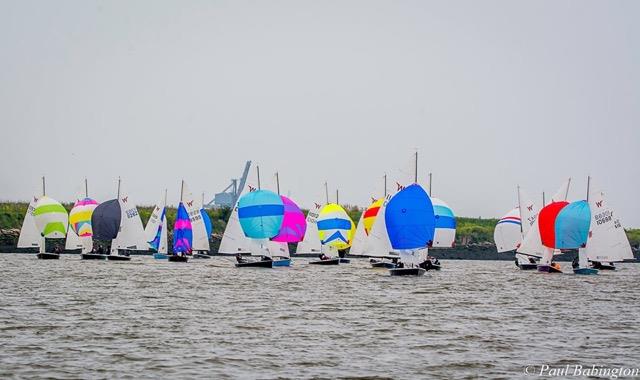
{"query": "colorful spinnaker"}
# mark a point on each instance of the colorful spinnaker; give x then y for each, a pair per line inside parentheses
(207, 221)
(105, 220)
(51, 218)
(565, 225)
(410, 219)
(80, 217)
(294, 225)
(370, 215)
(335, 227)
(445, 235)
(508, 232)
(182, 231)
(261, 213)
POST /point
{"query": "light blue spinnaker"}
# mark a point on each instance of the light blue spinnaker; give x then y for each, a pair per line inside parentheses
(572, 225)
(260, 213)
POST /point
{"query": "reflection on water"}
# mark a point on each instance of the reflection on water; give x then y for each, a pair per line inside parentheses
(207, 319)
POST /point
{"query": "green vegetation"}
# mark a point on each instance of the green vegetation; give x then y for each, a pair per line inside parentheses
(469, 230)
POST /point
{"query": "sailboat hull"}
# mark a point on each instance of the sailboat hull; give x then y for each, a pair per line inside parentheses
(48, 256)
(585, 271)
(543, 268)
(325, 262)
(528, 266)
(599, 265)
(160, 256)
(282, 263)
(428, 265)
(201, 256)
(344, 261)
(407, 271)
(118, 258)
(93, 256)
(256, 264)
(178, 259)
(383, 264)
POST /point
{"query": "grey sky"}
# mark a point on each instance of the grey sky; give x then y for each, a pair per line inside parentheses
(492, 93)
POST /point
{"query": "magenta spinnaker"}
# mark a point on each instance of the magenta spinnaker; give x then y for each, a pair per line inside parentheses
(294, 224)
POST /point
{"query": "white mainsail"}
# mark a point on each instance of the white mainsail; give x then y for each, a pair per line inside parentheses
(131, 233)
(311, 241)
(29, 234)
(357, 246)
(73, 241)
(151, 230)
(234, 239)
(607, 241)
(532, 242)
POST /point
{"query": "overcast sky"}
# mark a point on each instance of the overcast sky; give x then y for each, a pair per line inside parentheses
(491, 93)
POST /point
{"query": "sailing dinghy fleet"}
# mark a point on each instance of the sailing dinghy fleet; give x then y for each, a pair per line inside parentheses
(396, 231)
(587, 226)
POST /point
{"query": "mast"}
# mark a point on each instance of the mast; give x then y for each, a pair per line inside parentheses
(385, 185)
(337, 199)
(165, 197)
(588, 184)
(278, 182)
(326, 192)
(566, 195)
(43, 188)
(86, 188)
(181, 190)
(203, 199)
(258, 171)
(520, 209)
(415, 174)
(118, 187)
(543, 200)
(430, 180)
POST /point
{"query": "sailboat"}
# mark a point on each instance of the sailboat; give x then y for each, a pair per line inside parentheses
(532, 243)
(607, 242)
(49, 219)
(261, 214)
(208, 228)
(156, 230)
(292, 230)
(182, 232)
(511, 229)
(118, 220)
(79, 233)
(335, 231)
(565, 225)
(199, 233)
(410, 223)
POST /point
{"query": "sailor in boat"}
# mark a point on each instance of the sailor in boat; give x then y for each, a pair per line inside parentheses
(555, 265)
(239, 258)
(266, 258)
(322, 256)
(56, 249)
(574, 263)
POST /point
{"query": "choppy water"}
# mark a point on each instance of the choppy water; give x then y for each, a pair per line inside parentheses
(207, 319)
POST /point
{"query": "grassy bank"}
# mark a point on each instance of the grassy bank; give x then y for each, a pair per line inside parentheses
(469, 230)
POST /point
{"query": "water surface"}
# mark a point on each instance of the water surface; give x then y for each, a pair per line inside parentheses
(207, 319)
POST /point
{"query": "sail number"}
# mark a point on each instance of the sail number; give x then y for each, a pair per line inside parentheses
(604, 217)
(131, 213)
